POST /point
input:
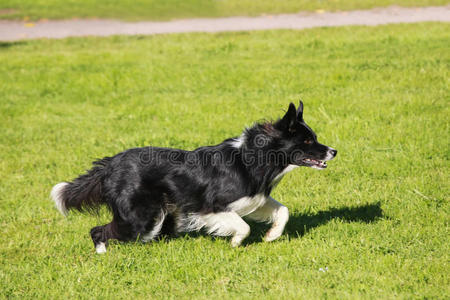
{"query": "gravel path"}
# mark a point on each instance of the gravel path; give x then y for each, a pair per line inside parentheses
(16, 30)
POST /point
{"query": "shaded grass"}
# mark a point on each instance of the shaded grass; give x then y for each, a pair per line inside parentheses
(300, 224)
(173, 9)
(377, 218)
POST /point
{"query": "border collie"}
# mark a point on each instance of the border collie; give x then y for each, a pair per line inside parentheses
(160, 191)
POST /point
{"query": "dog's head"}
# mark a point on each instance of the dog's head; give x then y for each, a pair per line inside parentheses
(301, 141)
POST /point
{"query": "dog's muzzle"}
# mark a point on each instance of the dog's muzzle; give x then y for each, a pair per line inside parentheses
(320, 164)
(331, 153)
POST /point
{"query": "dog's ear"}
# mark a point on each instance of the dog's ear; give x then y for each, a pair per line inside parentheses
(289, 119)
(300, 111)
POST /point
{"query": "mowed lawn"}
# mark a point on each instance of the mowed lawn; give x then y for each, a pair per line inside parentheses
(174, 9)
(373, 225)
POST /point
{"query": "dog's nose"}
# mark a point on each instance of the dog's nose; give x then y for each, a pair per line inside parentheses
(333, 152)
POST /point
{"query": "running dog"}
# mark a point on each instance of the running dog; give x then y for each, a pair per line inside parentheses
(157, 191)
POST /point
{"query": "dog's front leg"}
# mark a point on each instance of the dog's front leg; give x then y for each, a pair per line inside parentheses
(273, 212)
(225, 224)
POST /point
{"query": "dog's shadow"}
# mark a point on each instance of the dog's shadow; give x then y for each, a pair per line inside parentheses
(301, 223)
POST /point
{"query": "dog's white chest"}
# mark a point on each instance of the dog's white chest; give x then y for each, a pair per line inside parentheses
(281, 175)
(246, 205)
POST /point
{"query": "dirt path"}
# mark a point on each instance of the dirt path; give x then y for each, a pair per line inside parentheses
(16, 30)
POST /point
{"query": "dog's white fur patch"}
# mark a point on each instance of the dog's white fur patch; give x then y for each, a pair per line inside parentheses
(188, 223)
(267, 212)
(221, 224)
(100, 248)
(247, 205)
(272, 212)
(329, 155)
(56, 195)
(238, 142)
(227, 223)
(156, 228)
(280, 219)
(286, 170)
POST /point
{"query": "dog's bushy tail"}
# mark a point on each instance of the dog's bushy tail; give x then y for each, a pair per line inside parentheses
(85, 193)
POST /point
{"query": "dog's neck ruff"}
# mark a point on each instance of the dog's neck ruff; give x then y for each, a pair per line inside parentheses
(286, 170)
(239, 141)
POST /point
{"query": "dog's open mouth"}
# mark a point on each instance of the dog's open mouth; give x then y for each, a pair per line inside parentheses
(314, 163)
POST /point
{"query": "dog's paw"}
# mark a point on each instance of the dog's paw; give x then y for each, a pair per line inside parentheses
(236, 241)
(100, 248)
(273, 234)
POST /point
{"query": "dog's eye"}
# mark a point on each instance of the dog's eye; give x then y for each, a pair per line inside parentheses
(308, 142)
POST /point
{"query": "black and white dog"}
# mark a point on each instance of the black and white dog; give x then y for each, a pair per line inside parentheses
(156, 191)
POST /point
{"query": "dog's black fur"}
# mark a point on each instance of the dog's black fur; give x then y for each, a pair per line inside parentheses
(141, 185)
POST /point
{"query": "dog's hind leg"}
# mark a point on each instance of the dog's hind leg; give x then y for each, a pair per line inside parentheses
(225, 224)
(100, 236)
(156, 227)
(117, 230)
(272, 212)
(168, 229)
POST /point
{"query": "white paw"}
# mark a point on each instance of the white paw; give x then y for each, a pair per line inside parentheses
(273, 234)
(236, 241)
(100, 248)
(277, 229)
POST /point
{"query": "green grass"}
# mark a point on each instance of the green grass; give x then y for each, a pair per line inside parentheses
(377, 218)
(172, 9)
